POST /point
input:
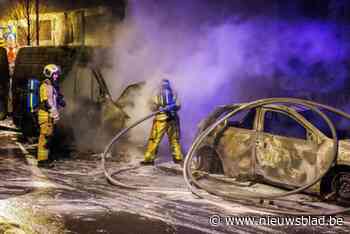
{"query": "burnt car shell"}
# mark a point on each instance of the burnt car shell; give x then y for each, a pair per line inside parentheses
(274, 144)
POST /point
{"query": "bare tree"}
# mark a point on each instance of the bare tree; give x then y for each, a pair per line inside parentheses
(37, 18)
(28, 18)
(27, 11)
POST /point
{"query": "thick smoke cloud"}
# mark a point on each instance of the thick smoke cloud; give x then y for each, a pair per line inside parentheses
(214, 57)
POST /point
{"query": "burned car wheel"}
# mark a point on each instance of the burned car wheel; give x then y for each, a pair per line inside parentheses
(336, 185)
(208, 160)
(343, 189)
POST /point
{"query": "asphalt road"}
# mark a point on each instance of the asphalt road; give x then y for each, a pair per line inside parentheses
(74, 197)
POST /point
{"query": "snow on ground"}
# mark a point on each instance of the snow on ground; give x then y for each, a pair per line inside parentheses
(74, 197)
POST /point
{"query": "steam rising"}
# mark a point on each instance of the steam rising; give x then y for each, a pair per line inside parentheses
(213, 59)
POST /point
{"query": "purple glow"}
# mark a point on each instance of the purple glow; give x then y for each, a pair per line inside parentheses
(214, 59)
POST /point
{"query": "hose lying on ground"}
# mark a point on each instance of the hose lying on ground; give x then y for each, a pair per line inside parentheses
(109, 175)
(109, 146)
(191, 180)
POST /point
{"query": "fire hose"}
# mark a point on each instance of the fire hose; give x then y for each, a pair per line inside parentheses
(109, 175)
(191, 180)
(108, 148)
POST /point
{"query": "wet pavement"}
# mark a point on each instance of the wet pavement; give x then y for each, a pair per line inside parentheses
(74, 197)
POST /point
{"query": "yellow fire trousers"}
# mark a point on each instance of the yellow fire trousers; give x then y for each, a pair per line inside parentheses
(159, 128)
(46, 131)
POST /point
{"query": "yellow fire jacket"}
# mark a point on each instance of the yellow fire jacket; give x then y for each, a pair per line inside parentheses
(48, 105)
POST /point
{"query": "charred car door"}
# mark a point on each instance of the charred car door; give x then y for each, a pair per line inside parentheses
(289, 151)
(235, 142)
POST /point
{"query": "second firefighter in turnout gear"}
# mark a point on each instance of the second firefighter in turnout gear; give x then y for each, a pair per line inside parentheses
(167, 121)
(50, 102)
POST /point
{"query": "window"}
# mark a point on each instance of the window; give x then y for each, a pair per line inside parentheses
(244, 119)
(341, 124)
(248, 120)
(45, 30)
(281, 124)
(22, 35)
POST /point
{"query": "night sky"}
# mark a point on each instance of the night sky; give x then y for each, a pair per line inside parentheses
(289, 8)
(58, 5)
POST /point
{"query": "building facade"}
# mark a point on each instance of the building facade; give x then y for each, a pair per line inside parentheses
(85, 26)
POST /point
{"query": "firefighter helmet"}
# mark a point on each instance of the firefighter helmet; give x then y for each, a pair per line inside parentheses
(165, 83)
(51, 69)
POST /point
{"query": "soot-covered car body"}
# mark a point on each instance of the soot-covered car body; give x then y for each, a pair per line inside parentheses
(283, 145)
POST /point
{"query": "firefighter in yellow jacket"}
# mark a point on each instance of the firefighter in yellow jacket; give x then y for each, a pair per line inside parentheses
(50, 101)
(166, 121)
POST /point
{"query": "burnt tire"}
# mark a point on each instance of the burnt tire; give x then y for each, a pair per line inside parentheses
(337, 182)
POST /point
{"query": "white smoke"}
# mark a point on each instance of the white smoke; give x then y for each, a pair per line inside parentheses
(211, 61)
(145, 50)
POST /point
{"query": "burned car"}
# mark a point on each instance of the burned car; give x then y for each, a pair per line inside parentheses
(278, 144)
